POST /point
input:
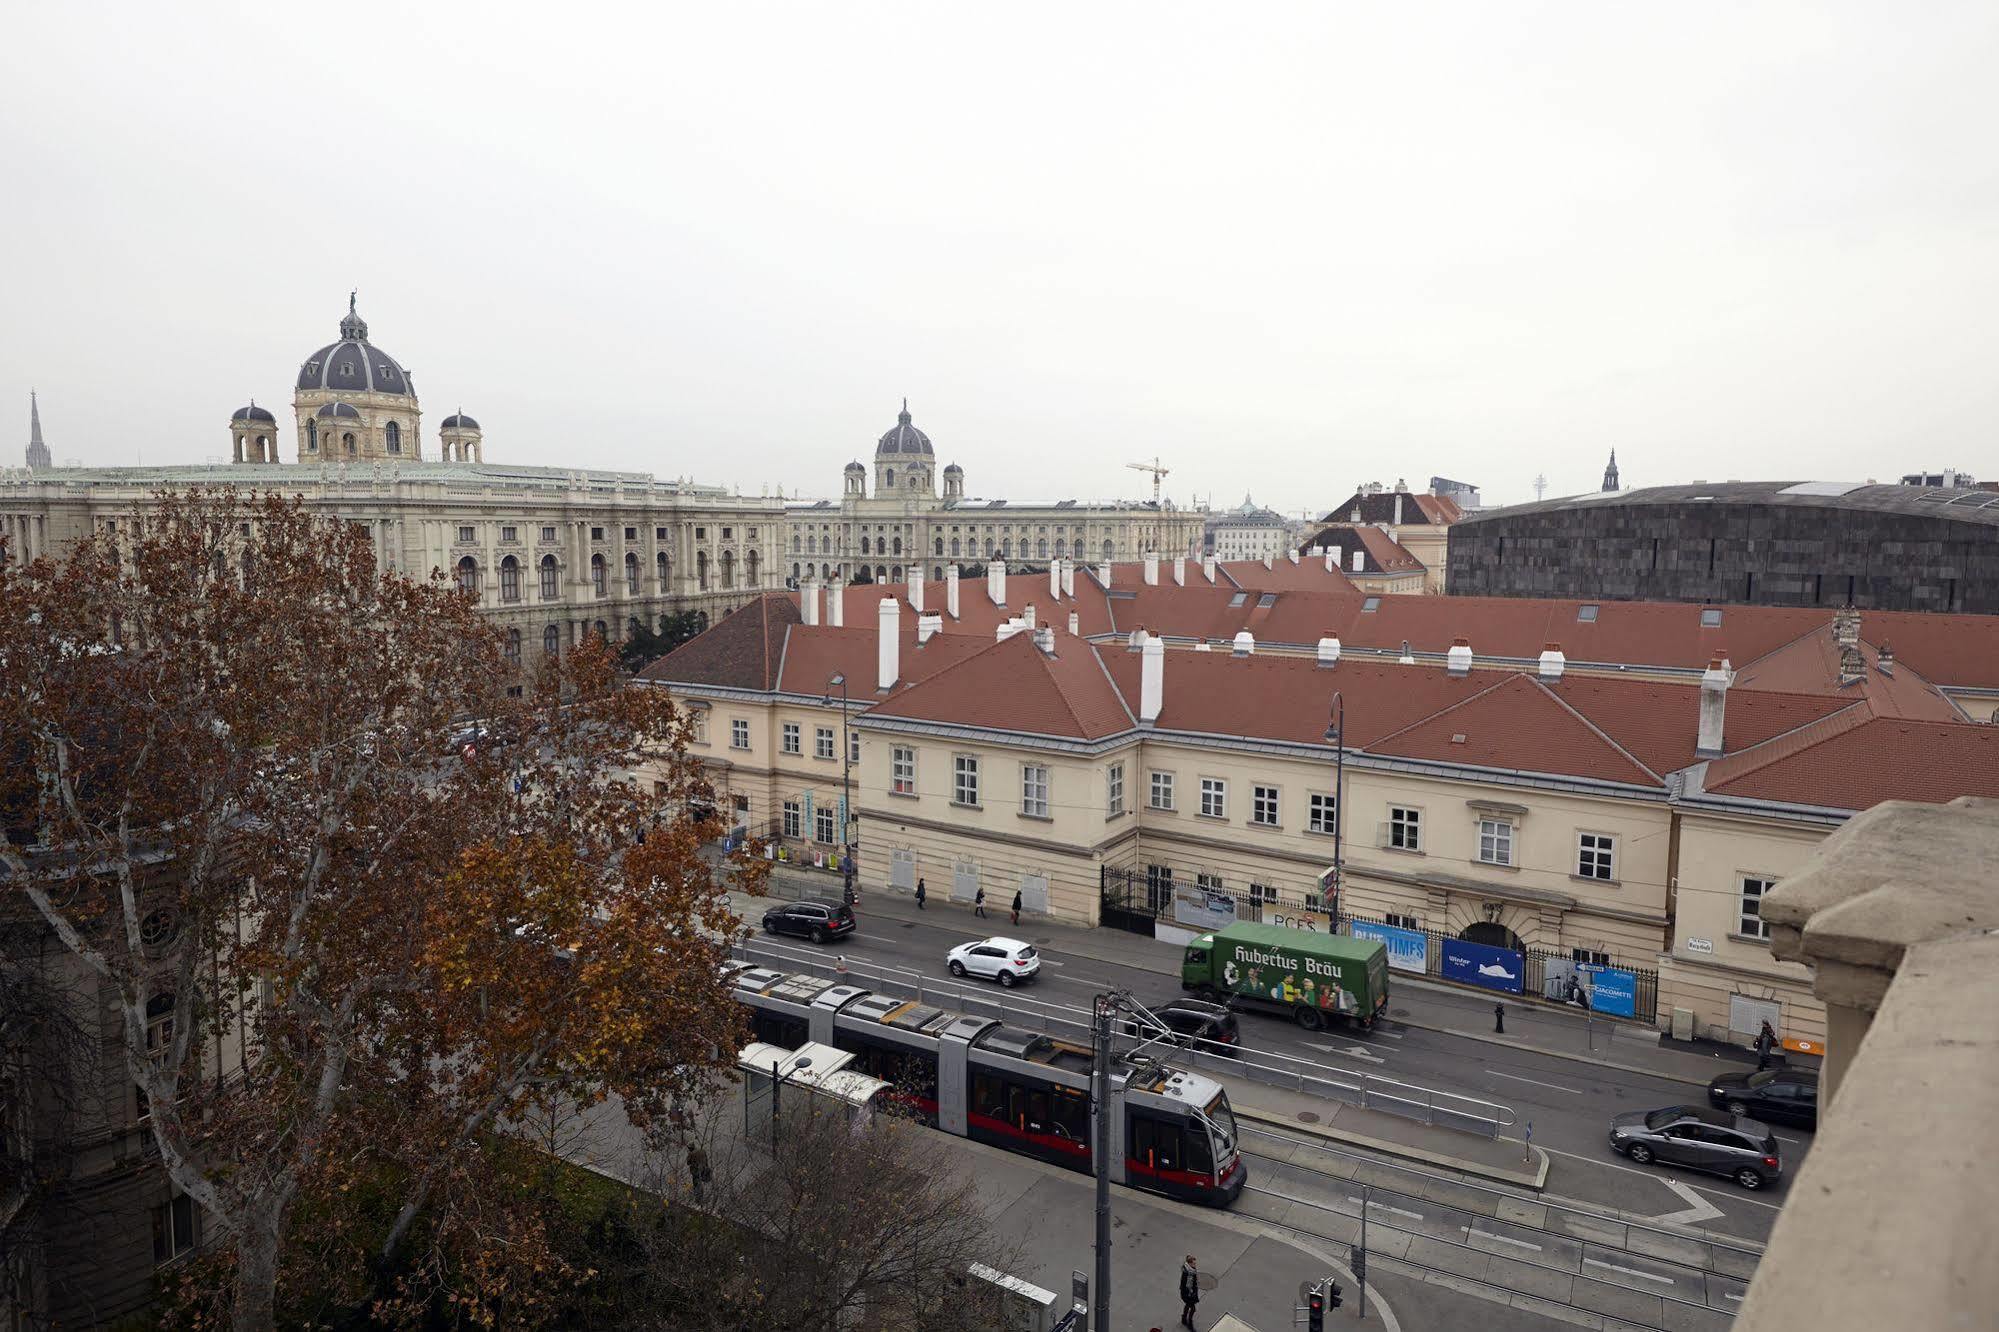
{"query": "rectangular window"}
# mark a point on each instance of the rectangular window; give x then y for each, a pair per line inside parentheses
(790, 738)
(1751, 922)
(631, 534)
(1589, 957)
(739, 734)
(902, 774)
(1405, 828)
(1034, 790)
(1322, 813)
(822, 742)
(1263, 805)
(1214, 797)
(1162, 790)
(1495, 841)
(596, 534)
(1114, 794)
(824, 817)
(1596, 856)
(464, 536)
(853, 746)
(1250, 908)
(173, 1229)
(965, 779)
(1159, 889)
(1402, 922)
(547, 535)
(700, 720)
(510, 534)
(792, 815)
(659, 534)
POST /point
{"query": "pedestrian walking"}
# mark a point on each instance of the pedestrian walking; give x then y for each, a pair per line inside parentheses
(1016, 906)
(697, 1169)
(1190, 1291)
(979, 904)
(1766, 1041)
(920, 894)
(1499, 1018)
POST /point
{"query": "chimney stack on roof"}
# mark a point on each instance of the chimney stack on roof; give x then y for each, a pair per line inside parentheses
(1329, 650)
(1399, 488)
(1457, 661)
(1075, 624)
(1044, 638)
(1136, 640)
(996, 581)
(1179, 571)
(888, 644)
(836, 604)
(1266, 560)
(1852, 666)
(951, 590)
(1027, 616)
(1069, 578)
(1293, 553)
(1009, 629)
(1360, 561)
(1885, 659)
(808, 600)
(1333, 559)
(928, 627)
(1104, 574)
(1407, 658)
(1208, 567)
(1553, 663)
(1245, 643)
(1715, 681)
(916, 588)
(1150, 566)
(1151, 679)
(1055, 579)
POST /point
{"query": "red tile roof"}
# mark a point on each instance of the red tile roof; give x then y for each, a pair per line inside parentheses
(1883, 758)
(814, 654)
(1659, 723)
(740, 649)
(1517, 724)
(1014, 686)
(1812, 664)
(1307, 575)
(1961, 650)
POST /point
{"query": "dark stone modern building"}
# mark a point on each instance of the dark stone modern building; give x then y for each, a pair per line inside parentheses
(1773, 543)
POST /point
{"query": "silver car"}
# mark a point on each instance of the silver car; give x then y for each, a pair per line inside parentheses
(1714, 1141)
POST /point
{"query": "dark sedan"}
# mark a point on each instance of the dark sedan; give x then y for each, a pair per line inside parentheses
(1189, 1020)
(1700, 1139)
(818, 920)
(1774, 1095)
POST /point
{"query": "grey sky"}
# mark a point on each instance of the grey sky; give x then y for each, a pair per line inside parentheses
(1286, 248)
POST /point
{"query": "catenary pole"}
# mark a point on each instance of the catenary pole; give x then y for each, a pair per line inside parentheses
(1100, 1087)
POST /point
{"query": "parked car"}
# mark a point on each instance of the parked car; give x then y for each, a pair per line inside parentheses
(1698, 1138)
(1775, 1095)
(1008, 961)
(1190, 1020)
(816, 919)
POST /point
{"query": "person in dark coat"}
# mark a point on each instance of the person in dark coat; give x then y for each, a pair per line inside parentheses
(1766, 1041)
(920, 894)
(1190, 1291)
(979, 903)
(1016, 907)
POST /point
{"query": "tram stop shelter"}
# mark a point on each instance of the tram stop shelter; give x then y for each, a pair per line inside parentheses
(816, 1075)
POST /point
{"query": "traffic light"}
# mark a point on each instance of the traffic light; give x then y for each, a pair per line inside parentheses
(1334, 1298)
(1315, 1311)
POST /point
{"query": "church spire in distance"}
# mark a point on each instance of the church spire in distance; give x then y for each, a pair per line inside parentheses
(1610, 472)
(38, 452)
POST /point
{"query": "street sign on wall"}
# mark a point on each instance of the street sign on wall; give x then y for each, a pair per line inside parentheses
(1408, 950)
(1477, 964)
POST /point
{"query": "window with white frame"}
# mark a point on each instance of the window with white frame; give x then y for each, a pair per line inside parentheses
(1263, 805)
(1162, 790)
(1495, 841)
(1751, 922)
(824, 819)
(1402, 922)
(793, 816)
(853, 746)
(1321, 812)
(1405, 828)
(1159, 889)
(1596, 856)
(739, 733)
(1034, 790)
(965, 779)
(902, 770)
(822, 742)
(1114, 790)
(790, 737)
(1214, 797)
(159, 1024)
(700, 720)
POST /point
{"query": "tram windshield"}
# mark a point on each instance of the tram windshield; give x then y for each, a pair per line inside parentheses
(1221, 1121)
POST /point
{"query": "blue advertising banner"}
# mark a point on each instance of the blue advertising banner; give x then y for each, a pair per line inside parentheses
(1476, 964)
(1408, 950)
(1612, 991)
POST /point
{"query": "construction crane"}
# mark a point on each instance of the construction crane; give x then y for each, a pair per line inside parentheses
(1158, 473)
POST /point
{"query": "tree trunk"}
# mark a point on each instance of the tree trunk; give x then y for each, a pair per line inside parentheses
(257, 1274)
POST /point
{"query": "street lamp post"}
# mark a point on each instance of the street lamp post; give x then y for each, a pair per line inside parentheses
(846, 797)
(777, 1081)
(1336, 735)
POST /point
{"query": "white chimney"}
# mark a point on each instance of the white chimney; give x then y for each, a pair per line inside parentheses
(1293, 553)
(1151, 567)
(1714, 707)
(916, 588)
(1329, 651)
(1318, 550)
(1009, 629)
(1245, 643)
(808, 600)
(1457, 661)
(1204, 646)
(1179, 571)
(1027, 616)
(1208, 567)
(1055, 579)
(1360, 561)
(1407, 658)
(1044, 638)
(1075, 624)
(1137, 639)
(1151, 679)
(951, 590)
(888, 644)
(836, 604)
(1104, 573)
(1398, 504)
(1266, 560)
(996, 581)
(1553, 663)
(1068, 578)
(928, 627)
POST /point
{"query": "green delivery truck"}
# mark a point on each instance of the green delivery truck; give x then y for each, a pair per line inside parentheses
(1311, 976)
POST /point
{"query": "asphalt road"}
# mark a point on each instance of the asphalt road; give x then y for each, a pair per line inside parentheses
(1568, 1102)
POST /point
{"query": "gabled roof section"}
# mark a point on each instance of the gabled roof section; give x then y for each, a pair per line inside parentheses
(1014, 686)
(1418, 509)
(1811, 662)
(1307, 575)
(1883, 758)
(1659, 723)
(1518, 724)
(815, 653)
(1959, 651)
(1380, 552)
(741, 651)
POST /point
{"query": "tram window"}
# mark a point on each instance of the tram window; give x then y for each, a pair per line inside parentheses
(1200, 1158)
(1016, 1105)
(1038, 1120)
(1072, 1114)
(780, 1029)
(988, 1096)
(1156, 1143)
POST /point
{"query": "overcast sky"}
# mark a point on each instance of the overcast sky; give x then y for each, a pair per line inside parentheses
(1285, 248)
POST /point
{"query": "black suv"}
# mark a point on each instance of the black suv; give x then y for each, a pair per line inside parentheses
(816, 919)
(1775, 1095)
(1191, 1020)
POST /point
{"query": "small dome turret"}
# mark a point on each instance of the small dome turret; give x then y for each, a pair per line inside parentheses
(254, 413)
(337, 411)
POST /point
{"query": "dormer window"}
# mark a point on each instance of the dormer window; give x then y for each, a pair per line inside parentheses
(347, 368)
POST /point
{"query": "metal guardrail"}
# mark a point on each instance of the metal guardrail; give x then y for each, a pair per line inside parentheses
(1368, 1091)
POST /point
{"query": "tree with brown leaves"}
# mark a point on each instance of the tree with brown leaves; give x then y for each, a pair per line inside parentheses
(356, 905)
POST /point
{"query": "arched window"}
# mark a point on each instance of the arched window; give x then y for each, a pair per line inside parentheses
(898, 546)
(1061, 548)
(989, 547)
(700, 622)
(510, 579)
(812, 545)
(1041, 548)
(794, 543)
(347, 442)
(468, 575)
(795, 575)
(602, 630)
(631, 573)
(598, 575)
(881, 573)
(663, 570)
(913, 479)
(1107, 550)
(954, 548)
(888, 478)
(513, 647)
(895, 574)
(551, 640)
(728, 569)
(940, 546)
(548, 578)
(1006, 548)
(633, 628)
(392, 435)
(864, 546)
(701, 570)
(264, 450)
(750, 563)
(312, 437)
(936, 571)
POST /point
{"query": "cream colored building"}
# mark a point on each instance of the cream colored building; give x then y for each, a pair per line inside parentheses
(906, 523)
(1247, 532)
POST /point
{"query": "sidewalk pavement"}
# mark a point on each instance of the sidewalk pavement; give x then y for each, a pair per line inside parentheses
(1545, 1029)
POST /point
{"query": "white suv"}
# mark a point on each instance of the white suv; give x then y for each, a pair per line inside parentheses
(1009, 961)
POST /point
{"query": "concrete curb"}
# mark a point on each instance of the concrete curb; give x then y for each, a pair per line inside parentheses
(1536, 1179)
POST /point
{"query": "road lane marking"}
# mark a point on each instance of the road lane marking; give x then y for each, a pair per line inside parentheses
(1384, 1207)
(1500, 1239)
(1730, 1295)
(1351, 1052)
(1629, 1271)
(1551, 1086)
(1650, 1174)
(1795, 1142)
(1698, 1209)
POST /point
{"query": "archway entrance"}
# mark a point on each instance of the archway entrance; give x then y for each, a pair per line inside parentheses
(1493, 935)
